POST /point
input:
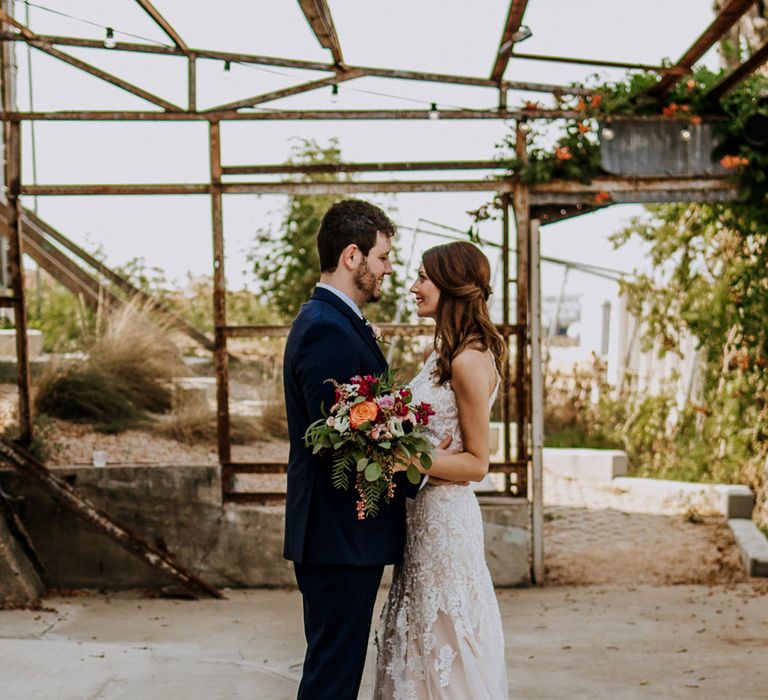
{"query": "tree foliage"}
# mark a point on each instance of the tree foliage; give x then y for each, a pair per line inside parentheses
(284, 261)
(711, 279)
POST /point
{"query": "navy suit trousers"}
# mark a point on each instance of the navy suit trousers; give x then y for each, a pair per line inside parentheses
(338, 606)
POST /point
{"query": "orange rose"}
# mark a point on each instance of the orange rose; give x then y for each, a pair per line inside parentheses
(363, 412)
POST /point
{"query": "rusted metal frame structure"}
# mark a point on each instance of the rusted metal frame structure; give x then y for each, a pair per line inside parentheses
(729, 14)
(573, 198)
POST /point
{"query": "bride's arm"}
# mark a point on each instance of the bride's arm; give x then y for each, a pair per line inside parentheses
(472, 385)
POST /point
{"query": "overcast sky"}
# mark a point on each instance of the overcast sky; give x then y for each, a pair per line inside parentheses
(449, 36)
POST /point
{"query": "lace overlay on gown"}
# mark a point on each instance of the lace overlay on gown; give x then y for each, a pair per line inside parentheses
(440, 633)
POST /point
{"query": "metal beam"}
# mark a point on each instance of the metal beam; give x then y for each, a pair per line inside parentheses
(35, 41)
(421, 76)
(290, 187)
(318, 15)
(740, 73)
(363, 167)
(597, 62)
(149, 8)
(554, 192)
(291, 115)
(725, 19)
(285, 92)
(506, 45)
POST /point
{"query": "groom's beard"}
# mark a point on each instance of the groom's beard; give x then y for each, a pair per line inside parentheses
(366, 282)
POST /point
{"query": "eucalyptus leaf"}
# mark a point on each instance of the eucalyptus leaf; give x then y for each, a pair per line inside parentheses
(362, 463)
(372, 471)
(413, 474)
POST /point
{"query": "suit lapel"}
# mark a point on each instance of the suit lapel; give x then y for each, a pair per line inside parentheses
(366, 333)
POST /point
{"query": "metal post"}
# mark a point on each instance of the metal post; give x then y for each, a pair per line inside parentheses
(13, 180)
(537, 413)
(506, 417)
(192, 82)
(522, 219)
(219, 304)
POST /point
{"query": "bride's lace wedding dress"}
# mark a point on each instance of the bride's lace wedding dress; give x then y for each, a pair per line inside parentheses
(440, 633)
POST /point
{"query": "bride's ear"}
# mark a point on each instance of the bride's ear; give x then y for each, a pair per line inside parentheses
(350, 257)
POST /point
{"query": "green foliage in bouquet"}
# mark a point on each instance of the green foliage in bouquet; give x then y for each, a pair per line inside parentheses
(373, 430)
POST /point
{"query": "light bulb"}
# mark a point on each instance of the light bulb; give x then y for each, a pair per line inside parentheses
(334, 93)
(433, 113)
(685, 134)
(607, 133)
(109, 41)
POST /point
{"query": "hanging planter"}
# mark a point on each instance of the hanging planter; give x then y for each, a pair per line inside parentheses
(660, 147)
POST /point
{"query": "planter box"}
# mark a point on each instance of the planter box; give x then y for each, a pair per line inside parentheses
(655, 147)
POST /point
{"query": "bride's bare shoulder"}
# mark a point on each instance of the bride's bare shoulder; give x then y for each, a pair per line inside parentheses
(470, 366)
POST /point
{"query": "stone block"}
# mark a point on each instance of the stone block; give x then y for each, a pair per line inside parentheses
(753, 546)
(8, 342)
(597, 465)
(739, 501)
(507, 539)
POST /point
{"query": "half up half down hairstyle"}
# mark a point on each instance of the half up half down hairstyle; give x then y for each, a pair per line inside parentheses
(462, 274)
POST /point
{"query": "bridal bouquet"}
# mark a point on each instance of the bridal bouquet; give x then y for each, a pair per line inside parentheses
(373, 427)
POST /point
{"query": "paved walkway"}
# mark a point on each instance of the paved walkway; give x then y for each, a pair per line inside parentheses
(617, 643)
(594, 534)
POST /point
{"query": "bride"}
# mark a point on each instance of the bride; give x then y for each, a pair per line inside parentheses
(440, 633)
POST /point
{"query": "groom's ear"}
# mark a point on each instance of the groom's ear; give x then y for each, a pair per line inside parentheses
(350, 257)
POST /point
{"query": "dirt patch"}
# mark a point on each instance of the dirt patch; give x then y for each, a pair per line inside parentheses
(603, 546)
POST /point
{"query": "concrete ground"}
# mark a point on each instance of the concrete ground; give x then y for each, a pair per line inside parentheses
(591, 642)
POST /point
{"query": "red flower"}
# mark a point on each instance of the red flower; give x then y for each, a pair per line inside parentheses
(595, 101)
(563, 153)
(583, 127)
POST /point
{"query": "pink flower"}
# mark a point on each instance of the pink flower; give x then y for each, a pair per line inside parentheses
(375, 432)
(385, 402)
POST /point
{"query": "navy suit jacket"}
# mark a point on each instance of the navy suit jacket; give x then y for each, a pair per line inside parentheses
(329, 341)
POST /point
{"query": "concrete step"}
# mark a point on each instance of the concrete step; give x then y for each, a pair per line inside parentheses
(753, 546)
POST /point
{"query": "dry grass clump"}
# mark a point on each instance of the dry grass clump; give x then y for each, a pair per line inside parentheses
(194, 423)
(124, 377)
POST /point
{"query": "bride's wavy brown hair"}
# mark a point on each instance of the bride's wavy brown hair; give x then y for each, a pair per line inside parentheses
(462, 274)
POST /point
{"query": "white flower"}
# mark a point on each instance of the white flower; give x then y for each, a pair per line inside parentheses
(329, 421)
(395, 426)
(341, 424)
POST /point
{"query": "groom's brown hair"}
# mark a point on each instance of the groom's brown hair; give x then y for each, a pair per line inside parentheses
(346, 222)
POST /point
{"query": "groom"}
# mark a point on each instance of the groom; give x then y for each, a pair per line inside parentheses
(338, 559)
